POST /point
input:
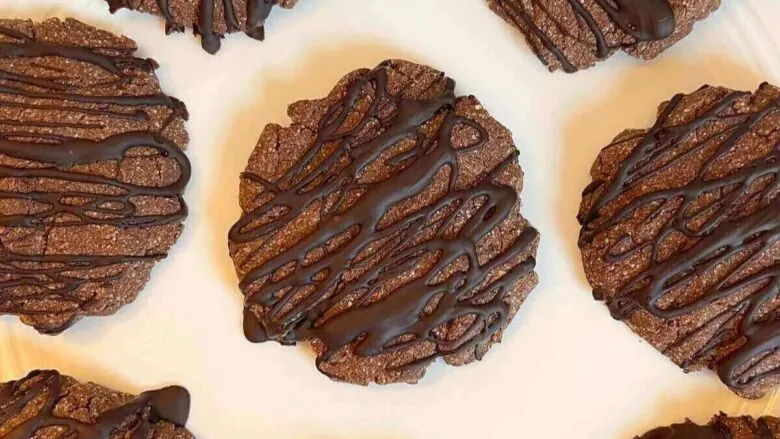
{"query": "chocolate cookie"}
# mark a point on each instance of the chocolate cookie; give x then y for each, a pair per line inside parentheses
(680, 230)
(721, 427)
(211, 19)
(574, 34)
(384, 227)
(47, 405)
(91, 172)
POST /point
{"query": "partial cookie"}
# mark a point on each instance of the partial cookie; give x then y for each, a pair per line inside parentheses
(91, 172)
(575, 34)
(681, 233)
(720, 427)
(384, 227)
(211, 19)
(47, 405)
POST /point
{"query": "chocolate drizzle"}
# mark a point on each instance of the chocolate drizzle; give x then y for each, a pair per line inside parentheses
(44, 388)
(114, 210)
(257, 11)
(739, 227)
(644, 20)
(405, 313)
(94, 199)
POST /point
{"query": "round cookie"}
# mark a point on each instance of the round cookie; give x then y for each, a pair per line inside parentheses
(383, 226)
(720, 427)
(575, 34)
(211, 19)
(47, 405)
(680, 231)
(91, 172)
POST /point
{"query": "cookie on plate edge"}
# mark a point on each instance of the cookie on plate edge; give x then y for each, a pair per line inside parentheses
(211, 19)
(91, 172)
(48, 405)
(681, 233)
(384, 227)
(572, 35)
(720, 427)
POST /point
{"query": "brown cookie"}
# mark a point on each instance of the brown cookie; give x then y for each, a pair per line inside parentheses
(720, 427)
(211, 19)
(384, 227)
(574, 34)
(47, 405)
(680, 233)
(91, 172)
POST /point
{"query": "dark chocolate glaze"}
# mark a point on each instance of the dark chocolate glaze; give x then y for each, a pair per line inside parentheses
(113, 207)
(170, 404)
(257, 11)
(727, 232)
(71, 152)
(644, 20)
(717, 429)
(401, 313)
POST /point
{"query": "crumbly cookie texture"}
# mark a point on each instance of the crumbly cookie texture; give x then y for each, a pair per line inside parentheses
(211, 19)
(384, 227)
(91, 172)
(48, 405)
(720, 427)
(680, 231)
(574, 34)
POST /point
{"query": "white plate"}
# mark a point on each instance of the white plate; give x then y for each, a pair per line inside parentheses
(565, 368)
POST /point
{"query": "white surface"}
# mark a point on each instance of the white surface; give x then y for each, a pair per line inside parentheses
(565, 369)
